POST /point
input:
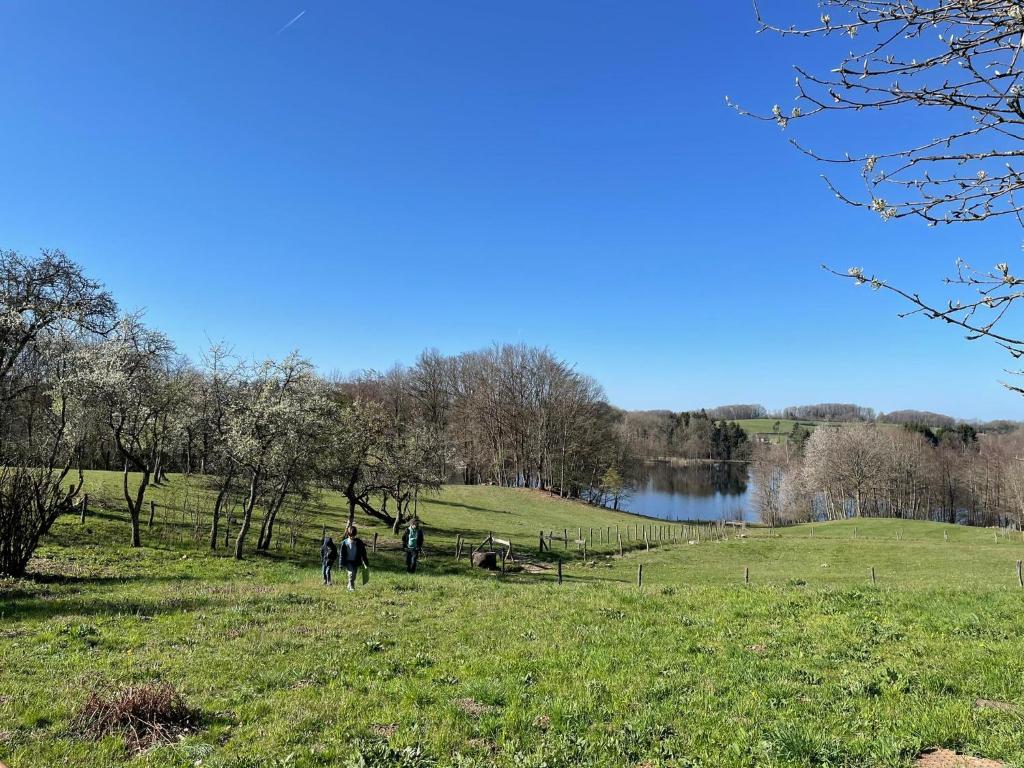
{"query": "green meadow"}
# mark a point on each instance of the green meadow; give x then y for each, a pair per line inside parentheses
(808, 664)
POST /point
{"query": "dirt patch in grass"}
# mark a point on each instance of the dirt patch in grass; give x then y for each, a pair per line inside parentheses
(1001, 706)
(473, 707)
(947, 758)
(144, 715)
(384, 730)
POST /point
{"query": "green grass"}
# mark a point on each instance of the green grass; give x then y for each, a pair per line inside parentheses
(767, 426)
(809, 665)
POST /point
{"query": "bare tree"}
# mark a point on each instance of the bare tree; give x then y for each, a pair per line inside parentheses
(961, 61)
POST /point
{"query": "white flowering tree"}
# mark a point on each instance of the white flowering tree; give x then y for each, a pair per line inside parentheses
(130, 378)
(47, 309)
(272, 436)
(959, 60)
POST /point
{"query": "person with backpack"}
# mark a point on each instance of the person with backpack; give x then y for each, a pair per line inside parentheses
(413, 541)
(328, 554)
(352, 555)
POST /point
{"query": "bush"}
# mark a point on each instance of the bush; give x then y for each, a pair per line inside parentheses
(144, 715)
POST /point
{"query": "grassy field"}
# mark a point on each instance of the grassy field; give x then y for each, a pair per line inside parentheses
(808, 665)
(767, 426)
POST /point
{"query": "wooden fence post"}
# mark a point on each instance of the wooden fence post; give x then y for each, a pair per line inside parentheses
(647, 541)
(559, 570)
(640, 574)
(85, 506)
(375, 542)
(152, 512)
(746, 574)
(565, 535)
(620, 542)
(1020, 574)
(540, 542)
(872, 575)
(584, 550)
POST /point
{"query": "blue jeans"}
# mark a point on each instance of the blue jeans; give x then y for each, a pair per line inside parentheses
(327, 573)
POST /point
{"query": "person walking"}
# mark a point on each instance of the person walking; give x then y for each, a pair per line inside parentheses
(413, 541)
(352, 555)
(328, 554)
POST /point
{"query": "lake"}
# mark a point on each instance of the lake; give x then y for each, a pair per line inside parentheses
(693, 492)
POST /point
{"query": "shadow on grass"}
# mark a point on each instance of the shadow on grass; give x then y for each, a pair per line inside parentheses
(75, 606)
(471, 507)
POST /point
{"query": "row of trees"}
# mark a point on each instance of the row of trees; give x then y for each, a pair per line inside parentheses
(688, 435)
(84, 387)
(952, 475)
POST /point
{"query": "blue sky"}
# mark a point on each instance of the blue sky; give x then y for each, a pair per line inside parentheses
(383, 177)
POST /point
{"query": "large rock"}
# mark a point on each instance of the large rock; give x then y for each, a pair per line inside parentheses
(488, 560)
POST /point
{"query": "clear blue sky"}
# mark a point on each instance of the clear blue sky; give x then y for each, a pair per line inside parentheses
(383, 177)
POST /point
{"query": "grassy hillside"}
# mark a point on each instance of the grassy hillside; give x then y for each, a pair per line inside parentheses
(808, 665)
(767, 426)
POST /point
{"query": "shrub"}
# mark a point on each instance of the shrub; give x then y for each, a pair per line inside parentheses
(144, 715)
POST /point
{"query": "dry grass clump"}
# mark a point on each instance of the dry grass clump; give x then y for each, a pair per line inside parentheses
(145, 715)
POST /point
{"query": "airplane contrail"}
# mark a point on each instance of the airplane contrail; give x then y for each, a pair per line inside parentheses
(282, 29)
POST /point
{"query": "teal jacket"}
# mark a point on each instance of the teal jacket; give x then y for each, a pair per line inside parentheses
(413, 539)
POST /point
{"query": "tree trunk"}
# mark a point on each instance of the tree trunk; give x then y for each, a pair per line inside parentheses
(217, 507)
(250, 502)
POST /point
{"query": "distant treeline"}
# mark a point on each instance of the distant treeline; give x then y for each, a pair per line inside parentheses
(954, 475)
(688, 434)
(851, 412)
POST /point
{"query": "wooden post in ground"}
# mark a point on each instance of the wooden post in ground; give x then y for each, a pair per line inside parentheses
(584, 550)
(458, 546)
(540, 542)
(591, 539)
(152, 512)
(559, 570)
(872, 575)
(503, 562)
(620, 542)
(647, 541)
(375, 542)
(565, 535)
(85, 506)
(1020, 574)
(945, 535)
(640, 574)
(746, 574)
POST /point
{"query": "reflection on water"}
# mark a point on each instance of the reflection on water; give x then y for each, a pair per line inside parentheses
(693, 492)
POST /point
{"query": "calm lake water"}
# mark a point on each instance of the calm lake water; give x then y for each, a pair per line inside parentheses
(695, 492)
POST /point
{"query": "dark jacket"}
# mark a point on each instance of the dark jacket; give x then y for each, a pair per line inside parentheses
(418, 544)
(328, 551)
(345, 560)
